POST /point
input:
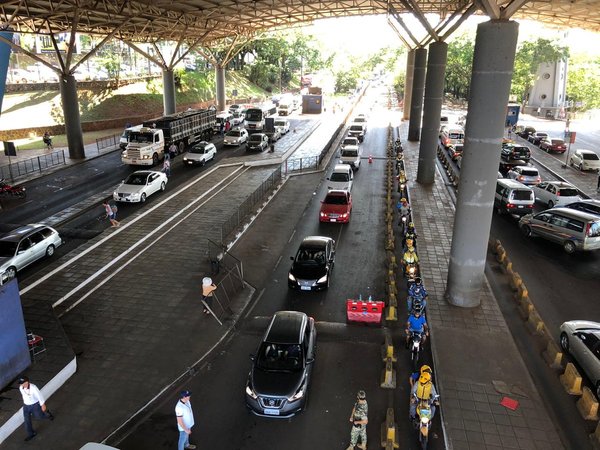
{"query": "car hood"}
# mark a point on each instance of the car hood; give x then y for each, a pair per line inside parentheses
(231, 139)
(575, 325)
(195, 156)
(130, 189)
(4, 263)
(308, 271)
(276, 384)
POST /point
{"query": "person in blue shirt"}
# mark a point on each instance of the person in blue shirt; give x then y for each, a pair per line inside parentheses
(416, 324)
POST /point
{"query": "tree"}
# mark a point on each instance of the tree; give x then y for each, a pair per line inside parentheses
(527, 60)
(459, 66)
(583, 83)
(346, 81)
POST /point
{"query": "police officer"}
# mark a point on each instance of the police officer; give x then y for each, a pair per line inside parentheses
(359, 421)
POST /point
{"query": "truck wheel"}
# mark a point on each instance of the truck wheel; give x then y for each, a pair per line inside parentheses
(155, 159)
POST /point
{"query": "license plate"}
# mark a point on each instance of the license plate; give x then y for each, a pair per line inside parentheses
(333, 220)
(271, 412)
(134, 161)
(305, 288)
(520, 206)
(190, 163)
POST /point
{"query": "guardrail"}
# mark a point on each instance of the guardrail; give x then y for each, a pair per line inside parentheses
(107, 142)
(35, 164)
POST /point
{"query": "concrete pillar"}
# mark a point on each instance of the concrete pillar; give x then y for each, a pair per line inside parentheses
(68, 95)
(169, 104)
(408, 83)
(432, 109)
(493, 65)
(220, 78)
(416, 102)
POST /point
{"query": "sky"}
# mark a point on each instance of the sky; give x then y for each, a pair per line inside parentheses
(374, 33)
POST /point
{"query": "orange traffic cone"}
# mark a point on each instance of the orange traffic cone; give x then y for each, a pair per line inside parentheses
(370, 159)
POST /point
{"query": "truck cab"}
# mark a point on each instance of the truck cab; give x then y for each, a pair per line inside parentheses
(146, 147)
(124, 139)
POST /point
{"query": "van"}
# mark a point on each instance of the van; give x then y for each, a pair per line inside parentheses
(222, 117)
(452, 136)
(351, 156)
(341, 178)
(574, 230)
(512, 197)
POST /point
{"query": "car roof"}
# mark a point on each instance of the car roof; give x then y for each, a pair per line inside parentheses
(286, 327)
(528, 167)
(315, 241)
(338, 192)
(16, 234)
(585, 150)
(574, 213)
(561, 184)
(509, 182)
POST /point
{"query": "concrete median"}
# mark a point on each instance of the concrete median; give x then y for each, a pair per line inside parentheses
(587, 405)
(553, 355)
(571, 380)
(535, 322)
(389, 431)
(388, 377)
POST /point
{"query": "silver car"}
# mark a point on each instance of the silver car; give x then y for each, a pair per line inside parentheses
(140, 185)
(25, 245)
(581, 340)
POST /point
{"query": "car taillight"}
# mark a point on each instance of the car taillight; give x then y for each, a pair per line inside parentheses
(558, 193)
(510, 205)
(588, 227)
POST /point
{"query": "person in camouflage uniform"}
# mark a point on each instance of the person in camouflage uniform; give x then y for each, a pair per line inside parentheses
(359, 421)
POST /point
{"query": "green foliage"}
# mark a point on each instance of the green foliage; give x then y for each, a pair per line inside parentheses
(346, 81)
(399, 84)
(527, 60)
(459, 66)
(583, 84)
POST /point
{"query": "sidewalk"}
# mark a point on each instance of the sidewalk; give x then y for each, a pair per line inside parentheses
(476, 360)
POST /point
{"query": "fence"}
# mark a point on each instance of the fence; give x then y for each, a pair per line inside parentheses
(248, 206)
(108, 142)
(35, 164)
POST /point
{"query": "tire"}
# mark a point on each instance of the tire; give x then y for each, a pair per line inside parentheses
(581, 167)
(11, 273)
(162, 186)
(569, 247)
(526, 230)
(564, 342)
(550, 204)
(143, 198)
(155, 159)
(50, 250)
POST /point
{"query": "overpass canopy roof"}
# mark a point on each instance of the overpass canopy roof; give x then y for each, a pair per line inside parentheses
(205, 21)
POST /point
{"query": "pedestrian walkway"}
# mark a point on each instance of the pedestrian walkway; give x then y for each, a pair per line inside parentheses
(476, 360)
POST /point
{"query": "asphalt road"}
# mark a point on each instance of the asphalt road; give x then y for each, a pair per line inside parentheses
(348, 356)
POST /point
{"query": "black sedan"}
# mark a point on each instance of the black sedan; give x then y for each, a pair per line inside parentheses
(313, 264)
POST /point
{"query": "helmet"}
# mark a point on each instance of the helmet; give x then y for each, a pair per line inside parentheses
(361, 395)
(425, 378)
(411, 225)
(425, 368)
(403, 200)
(418, 280)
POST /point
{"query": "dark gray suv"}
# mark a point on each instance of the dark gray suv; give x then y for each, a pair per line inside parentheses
(281, 368)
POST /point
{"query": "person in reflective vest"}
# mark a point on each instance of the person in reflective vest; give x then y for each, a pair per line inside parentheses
(423, 391)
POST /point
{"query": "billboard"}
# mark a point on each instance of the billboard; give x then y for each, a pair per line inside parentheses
(14, 351)
(4, 60)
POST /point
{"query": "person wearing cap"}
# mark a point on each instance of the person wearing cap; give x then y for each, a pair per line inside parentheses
(359, 419)
(423, 391)
(208, 287)
(185, 420)
(34, 405)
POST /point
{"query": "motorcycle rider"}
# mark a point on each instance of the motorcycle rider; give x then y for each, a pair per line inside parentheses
(403, 209)
(416, 323)
(410, 233)
(423, 391)
(398, 146)
(416, 294)
(410, 256)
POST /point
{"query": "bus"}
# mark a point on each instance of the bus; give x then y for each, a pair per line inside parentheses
(255, 117)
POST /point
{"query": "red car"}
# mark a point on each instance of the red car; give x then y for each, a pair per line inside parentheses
(336, 207)
(553, 145)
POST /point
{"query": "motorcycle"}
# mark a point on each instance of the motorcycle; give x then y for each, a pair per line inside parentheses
(6, 190)
(422, 421)
(398, 147)
(416, 340)
(411, 272)
(416, 304)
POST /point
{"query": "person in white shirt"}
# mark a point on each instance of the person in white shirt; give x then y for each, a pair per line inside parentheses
(185, 420)
(33, 405)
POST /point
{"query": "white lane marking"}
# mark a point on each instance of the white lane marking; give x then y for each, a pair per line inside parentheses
(292, 236)
(127, 225)
(130, 249)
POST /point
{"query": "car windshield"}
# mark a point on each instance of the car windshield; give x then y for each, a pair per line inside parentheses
(356, 128)
(520, 194)
(336, 200)
(136, 179)
(360, 119)
(234, 133)
(279, 123)
(349, 142)
(456, 135)
(280, 357)
(350, 153)
(557, 142)
(590, 156)
(7, 249)
(311, 255)
(337, 176)
(568, 192)
(142, 138)
(199, 148)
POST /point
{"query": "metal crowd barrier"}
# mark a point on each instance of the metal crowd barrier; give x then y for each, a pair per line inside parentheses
(108, 142)
(35, 164)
